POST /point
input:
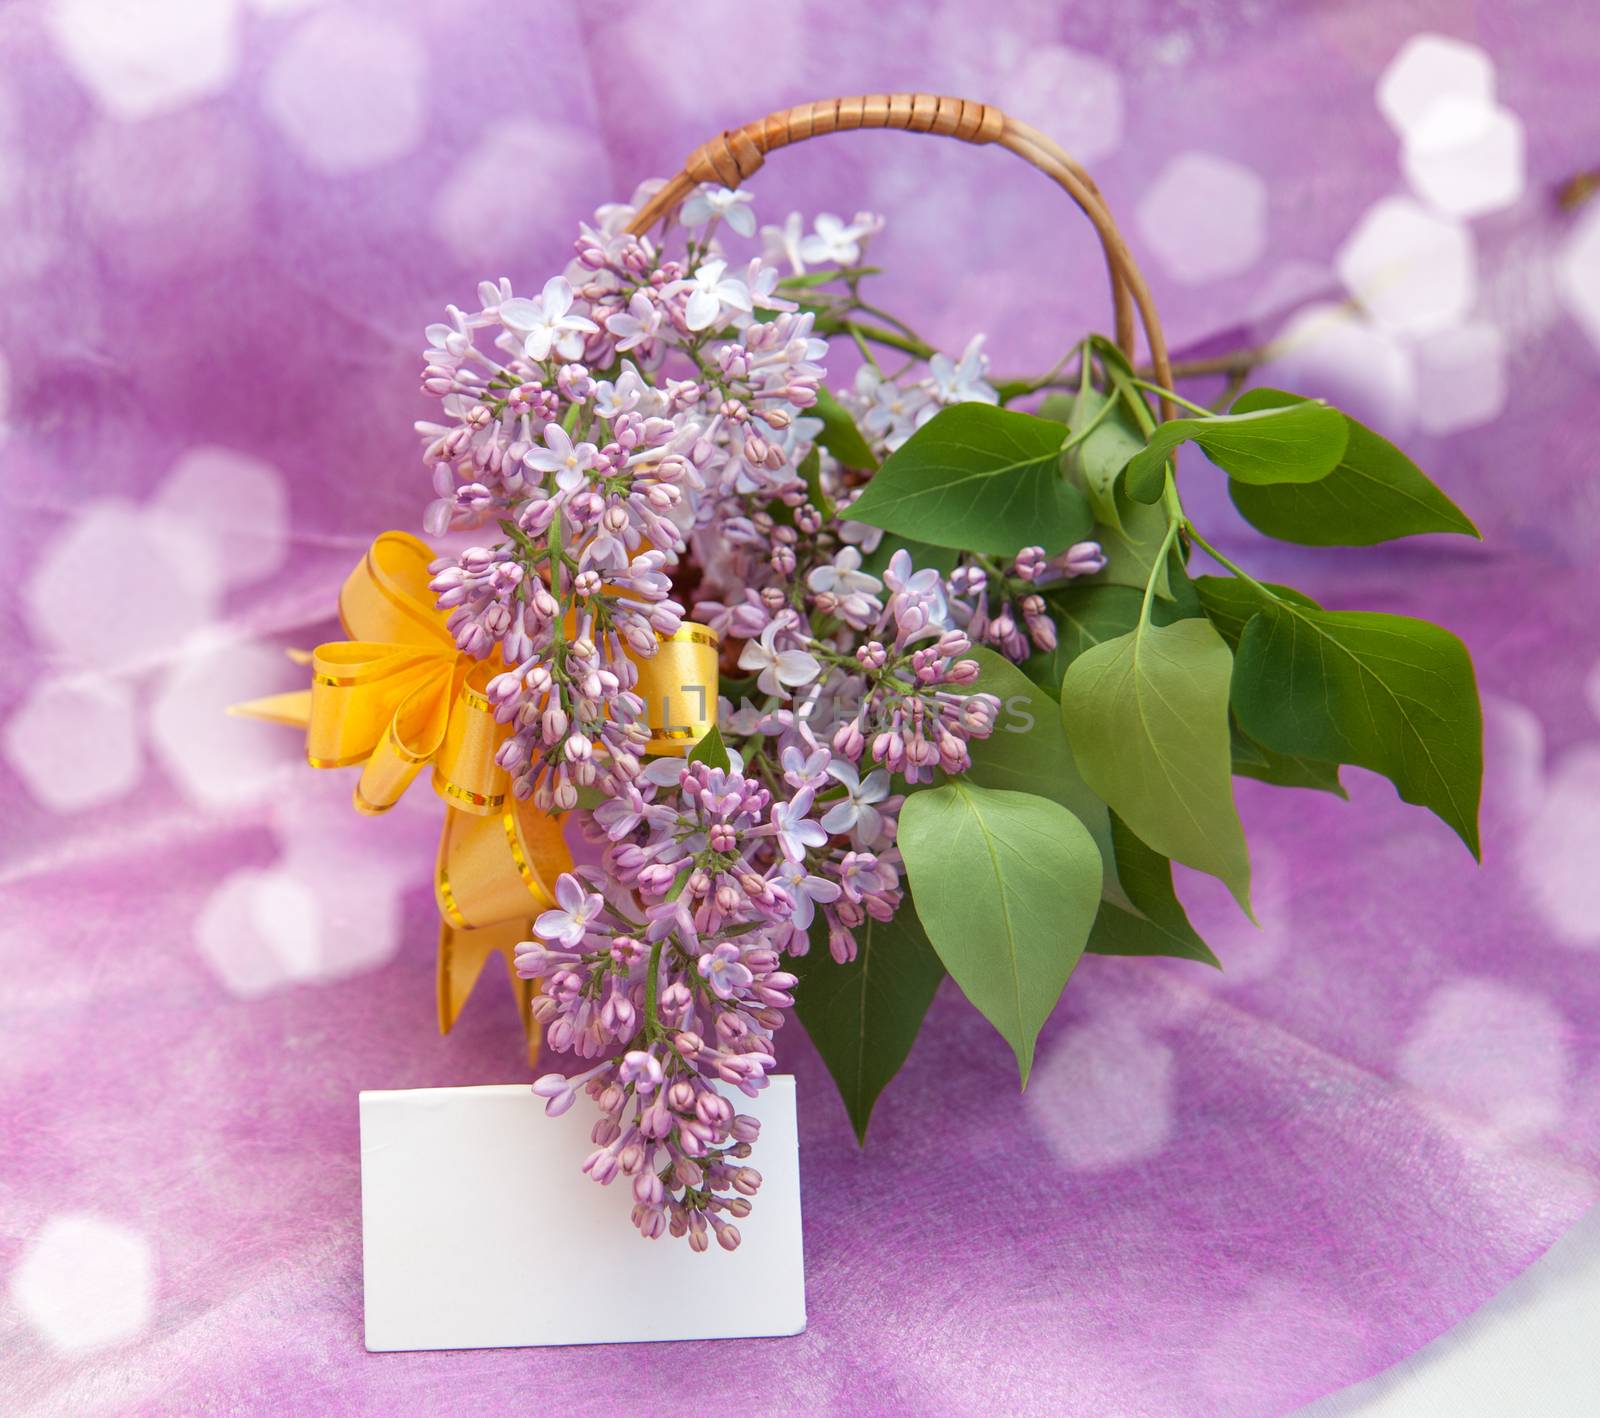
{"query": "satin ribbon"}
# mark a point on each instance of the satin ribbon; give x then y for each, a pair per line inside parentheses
(398, 695)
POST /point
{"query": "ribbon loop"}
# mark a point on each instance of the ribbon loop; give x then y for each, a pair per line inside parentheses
(398, 695)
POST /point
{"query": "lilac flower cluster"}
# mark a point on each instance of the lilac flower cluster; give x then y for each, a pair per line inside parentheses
(670, 973)
(644, 422)
(999, 606)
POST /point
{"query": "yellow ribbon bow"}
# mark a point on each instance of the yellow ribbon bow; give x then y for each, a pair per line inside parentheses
(398, 695)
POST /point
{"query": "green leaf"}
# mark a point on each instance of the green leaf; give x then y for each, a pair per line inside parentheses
(864, 1016)
(839, 435)
(1384, 692)
(978, 478)
(710, 750)
(1085, 616)
(1056, 407)
(1374, 494)
(1132, 545)
(1007, 886)
(1028, 751)
(1156, 924)
(1231, 602)
(1147, 717)
(1283, 770)
(1294, 443)
(1105, 452)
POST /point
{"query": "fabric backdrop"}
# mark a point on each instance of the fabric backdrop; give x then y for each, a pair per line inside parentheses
(223, 226)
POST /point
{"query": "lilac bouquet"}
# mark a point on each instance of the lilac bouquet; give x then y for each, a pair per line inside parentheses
(974, 702)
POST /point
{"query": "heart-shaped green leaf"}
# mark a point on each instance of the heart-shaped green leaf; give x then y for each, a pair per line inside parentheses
(1028, 751)
(1385, 692)
(1007, 886)
(1291, 443)
(1374, 494)
(1152, 920)
(1113, 439)
(979, 478)
(863, 1016)
(1085, 616)
(710, 750)
(1147, 717)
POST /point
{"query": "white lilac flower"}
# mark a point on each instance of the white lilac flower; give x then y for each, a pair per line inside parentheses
(962, 382)
(710, 203)
(861, 534)
(709, 292)
(857, 813)
(569, 461)
(636, 324)
(803, 769)
(575, 909)
(724, 971)
(780, 670)
(795, 831)
(844, 576)
(924, 588)
(544, 324)
(630, 394)
(784, 243)
(834, 241)
(808, 892)
(891, 411)
(762, 281)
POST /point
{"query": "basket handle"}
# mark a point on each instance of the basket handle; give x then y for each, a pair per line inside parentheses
(736, 154)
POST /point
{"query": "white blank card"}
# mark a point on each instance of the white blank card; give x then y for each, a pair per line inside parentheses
(479, 1231)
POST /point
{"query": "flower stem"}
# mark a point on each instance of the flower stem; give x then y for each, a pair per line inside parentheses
(652, 986)
(1155, 571)
(1162, 391)
(1223, 561)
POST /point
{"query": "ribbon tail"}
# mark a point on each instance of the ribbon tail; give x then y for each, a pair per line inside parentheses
(293, 709)
(462, 956)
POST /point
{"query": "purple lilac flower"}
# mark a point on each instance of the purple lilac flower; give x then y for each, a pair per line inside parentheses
(636, 413)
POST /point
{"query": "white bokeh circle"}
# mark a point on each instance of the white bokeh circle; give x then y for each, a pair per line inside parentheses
(74, 742)
(1074, 97)
(260, 930)
(1430, 69)
(140, 58)
(122, 586)
(86, 1283)
(1204, 217)
(220, 760)
(1578, 273)
(1104, 1095)
(487, 221)
(1466, 159)
(1560, 847)
(1413, 270)
(1328, 351)
(1493, 1052)
(1461, 377)
(239, 502)
(349, 93)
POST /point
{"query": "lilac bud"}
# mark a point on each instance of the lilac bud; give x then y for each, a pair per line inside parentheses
(1081, 559)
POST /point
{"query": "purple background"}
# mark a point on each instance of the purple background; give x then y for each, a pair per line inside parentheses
(224, 227)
